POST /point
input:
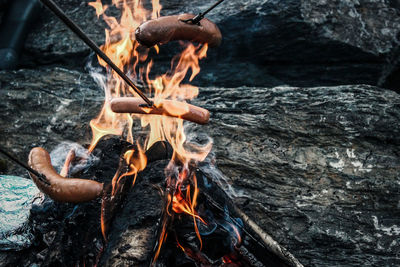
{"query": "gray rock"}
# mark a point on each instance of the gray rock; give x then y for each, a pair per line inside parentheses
(369, 25)
(16, 197)
(317, 168)
(44, 108)
(53, 39)
(266, 43)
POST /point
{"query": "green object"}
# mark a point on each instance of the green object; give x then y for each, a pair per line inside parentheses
(17, 195)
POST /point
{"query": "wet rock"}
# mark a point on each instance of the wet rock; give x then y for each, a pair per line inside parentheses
(51, 41)
(45, 107)
(390, 78)
(266, 43)
(317, 168)
(17, 195)
(308, 43)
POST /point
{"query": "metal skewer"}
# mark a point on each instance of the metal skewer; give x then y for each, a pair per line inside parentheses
(40, 176)
(200, 16)
(78, 31)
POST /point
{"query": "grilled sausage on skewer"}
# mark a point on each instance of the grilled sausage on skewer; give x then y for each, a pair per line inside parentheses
(137, 105)
(78, 190)
(170, 28)
(60, 188)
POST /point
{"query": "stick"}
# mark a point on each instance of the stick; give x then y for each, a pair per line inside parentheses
(40, 176)
(78, 31)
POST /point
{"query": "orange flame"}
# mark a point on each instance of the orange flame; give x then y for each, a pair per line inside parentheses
(120, 47)
(100, 9)
(135, 163)
(125, 52)
(181, 205)
(238, 238)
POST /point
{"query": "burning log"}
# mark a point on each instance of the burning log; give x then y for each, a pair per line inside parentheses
(114, 194)
(218, 234)
(267, 242)
(131, 237)
(258, 244)
(170, 28)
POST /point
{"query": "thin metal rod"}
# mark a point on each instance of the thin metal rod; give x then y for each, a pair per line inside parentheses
(212, 7)
(201, 15)
(23, 165)
(78, 31)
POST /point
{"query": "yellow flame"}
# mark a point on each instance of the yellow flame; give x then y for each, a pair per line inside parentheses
(100, 9)
(126, 53)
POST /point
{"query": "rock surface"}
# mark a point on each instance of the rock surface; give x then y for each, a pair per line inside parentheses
(266, 43)
(17, 196)
(317, 168)
(45, 107)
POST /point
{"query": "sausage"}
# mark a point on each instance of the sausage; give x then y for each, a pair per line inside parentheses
(65, 169)
(170, 28)
(60, 188)
(78, 190)
(137, 105)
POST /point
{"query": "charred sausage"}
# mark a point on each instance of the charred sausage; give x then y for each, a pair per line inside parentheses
(167, 107)
(60, 188)
(170, 28)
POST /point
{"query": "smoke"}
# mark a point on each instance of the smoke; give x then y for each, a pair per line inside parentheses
(60, 152)
(195, 135)
(97, 72)
(210, 169)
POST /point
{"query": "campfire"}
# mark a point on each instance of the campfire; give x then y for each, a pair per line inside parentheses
(156, 168)
(180, 192)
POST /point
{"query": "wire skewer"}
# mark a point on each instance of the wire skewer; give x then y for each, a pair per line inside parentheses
(200, 16)
(40, 176)
(78, 31)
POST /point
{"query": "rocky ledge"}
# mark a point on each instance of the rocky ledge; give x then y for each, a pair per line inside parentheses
(318, 168)
(266, 43)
